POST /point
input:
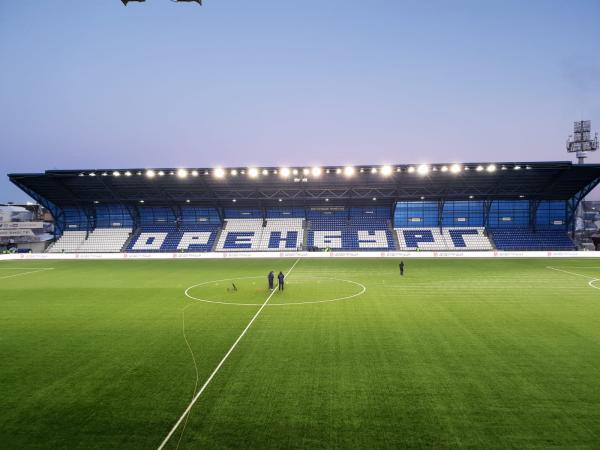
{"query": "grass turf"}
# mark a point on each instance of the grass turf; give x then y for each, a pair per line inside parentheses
(457, 353)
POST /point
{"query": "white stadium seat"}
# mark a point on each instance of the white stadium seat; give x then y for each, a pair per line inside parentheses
(433, 239)
(69, 242)
(101, 240)
(251, 235)
(240, 235)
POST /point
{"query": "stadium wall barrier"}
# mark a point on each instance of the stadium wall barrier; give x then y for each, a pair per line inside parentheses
(234, 255)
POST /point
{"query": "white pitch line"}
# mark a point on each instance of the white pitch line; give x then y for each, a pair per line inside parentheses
(570, 273)
(214, 372)
(217, 302)
(25, 273)
(590, 283)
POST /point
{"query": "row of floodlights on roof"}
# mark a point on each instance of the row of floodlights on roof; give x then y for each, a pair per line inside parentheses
(471, 197)
(285, 172)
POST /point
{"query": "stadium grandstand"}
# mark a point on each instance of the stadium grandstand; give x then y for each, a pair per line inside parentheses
(438, 207)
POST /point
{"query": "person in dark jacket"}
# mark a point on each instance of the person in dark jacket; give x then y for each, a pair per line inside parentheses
(401, 265)
(281, 279)
(271, 277)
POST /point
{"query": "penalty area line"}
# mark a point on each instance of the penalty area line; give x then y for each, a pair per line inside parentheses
(214, 372)
(590, 283)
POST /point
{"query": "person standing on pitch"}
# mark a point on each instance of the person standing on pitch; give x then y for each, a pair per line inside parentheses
(401, 265)
(281, 279)
(271, 277)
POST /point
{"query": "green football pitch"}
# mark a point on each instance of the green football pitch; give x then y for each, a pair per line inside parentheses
(457, 353)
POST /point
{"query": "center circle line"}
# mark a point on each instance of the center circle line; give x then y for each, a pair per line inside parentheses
(363, 290)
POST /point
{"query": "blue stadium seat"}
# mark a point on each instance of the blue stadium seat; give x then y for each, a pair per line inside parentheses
(170, 238)
(528, 239)
(357, 229)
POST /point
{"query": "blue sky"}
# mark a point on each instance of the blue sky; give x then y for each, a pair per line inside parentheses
(94, 84)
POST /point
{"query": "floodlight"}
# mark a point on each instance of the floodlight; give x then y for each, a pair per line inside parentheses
(95, 202)
(92, 174)
(398, 169)
(471, 196)
(444, 169)
(161, 173)
(374, 199)
(338, 170)
(373, 170)
(234, 200)
(349, 171)
(234, 172)
(423, 169)
(128, 173)
(253, 172)
(182, 173)
(141, 201)
(104, 174)
(219, 173)
(326, 199)
(116, 173)
(284, 172)
(295, 171)
(265, 172)
(194, 173)
(188, 200)
(521, 196)
(517, 168)
(455, 168)
(305, 171)
(362, 170)
(280, 200)
(411, 169)
(171, 173)
(386, 171)
(491, 168)
(479, 168)
(316, 171)
(422, 198)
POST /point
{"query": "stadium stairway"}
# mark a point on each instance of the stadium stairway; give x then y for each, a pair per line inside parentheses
(395, 237)
(217, 239)
(127, 243)
(305, 236)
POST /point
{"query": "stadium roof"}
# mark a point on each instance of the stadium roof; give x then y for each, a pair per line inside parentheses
(306, 186)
